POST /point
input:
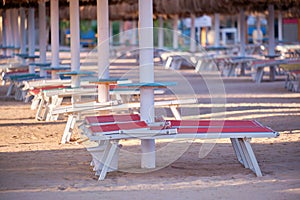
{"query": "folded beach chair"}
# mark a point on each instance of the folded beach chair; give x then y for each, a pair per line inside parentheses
(52, 99)
(76, 111)
(16, 84)
(33, 89)
(259, 65)
(292, 70)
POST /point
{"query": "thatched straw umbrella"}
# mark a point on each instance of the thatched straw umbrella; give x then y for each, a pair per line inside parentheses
(127, 9)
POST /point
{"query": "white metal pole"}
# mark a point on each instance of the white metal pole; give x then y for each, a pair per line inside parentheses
(103, 47)
(271, 30)
(133, 34)
(9, 41)
(4, 29)
(31, 32)
(54, 17)
(75, 41)
(42, 31)
(271, 22)
(258, 24)
(280, 26)
(16, 28)
(146, 75)
(160, 33)
(258, 29)
(110, 31)
(23, 33)
(12, 27)
(217, 30)
(242, 31)
(175, 32)
(239, 27)
(1, 26)
(193, 34)
(121, 33)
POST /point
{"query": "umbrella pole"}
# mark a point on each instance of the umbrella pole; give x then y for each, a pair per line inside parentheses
(146, 75)
(54, 12)
(42, 32)
(193, 34)
(161, 33)
(242, 32)
(175, 32)
(103, 48)
(31, 31)
(271, 30)
(217, 30)
(15, 16)
(279, 26)
(75, 40)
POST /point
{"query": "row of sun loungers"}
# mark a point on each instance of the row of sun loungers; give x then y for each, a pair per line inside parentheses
(108, 130)
(231, 65)
(48, 97)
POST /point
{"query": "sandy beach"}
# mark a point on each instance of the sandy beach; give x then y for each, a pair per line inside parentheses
(34, 165)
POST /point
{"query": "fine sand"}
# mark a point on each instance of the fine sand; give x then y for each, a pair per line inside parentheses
(34, 165)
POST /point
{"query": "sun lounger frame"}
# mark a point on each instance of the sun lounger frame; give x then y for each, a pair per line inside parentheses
(135, 129)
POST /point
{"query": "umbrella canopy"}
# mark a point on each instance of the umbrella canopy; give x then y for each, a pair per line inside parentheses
(128, 9)
(117, 11)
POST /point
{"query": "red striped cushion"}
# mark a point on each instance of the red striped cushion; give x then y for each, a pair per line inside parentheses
(224, 130)
(213, 123)
(35, 91)
(119, 126)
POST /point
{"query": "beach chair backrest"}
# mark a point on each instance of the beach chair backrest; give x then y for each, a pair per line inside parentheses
(118, 126)
(92, 120)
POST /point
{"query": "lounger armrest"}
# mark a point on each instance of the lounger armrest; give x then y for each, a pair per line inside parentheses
(157, 124)
(148, 133)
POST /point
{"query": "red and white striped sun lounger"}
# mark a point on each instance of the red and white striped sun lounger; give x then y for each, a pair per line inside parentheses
(109, 130)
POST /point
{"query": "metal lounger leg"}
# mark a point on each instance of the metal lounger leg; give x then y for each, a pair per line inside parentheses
(39, 109)
(244, 150)
(17, 93)
(259, 74)
(297, 88)
(248, 148)
(231, 71)
(56, 101)
(68, 129)
(287, 80)
(100, 157)
(239, 152)
(35, 102)
(24, 96)
(198, 66)
(177, 64)
(243, 69)
(10, 89)
(272, 72)
(97, 155)
(175, 112)
(46, 112)
(113, 151)
(168, 63)
(73, 123)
